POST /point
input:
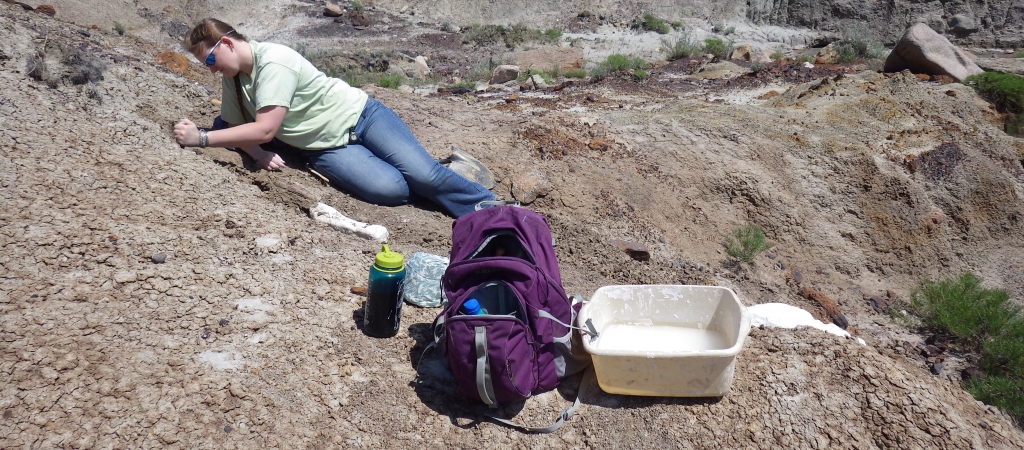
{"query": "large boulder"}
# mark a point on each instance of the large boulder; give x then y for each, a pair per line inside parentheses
(922, 50)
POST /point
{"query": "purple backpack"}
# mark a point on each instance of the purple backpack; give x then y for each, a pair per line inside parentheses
(519, 344)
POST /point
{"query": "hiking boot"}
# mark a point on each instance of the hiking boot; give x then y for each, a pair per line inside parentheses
(470, 168)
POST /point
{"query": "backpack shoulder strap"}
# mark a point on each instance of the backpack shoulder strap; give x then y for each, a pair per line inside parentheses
(562, 417)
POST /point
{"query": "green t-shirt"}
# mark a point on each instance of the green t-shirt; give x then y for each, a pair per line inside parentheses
(321, 109)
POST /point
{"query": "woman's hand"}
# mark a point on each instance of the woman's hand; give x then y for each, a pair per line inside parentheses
(186, 133)
(264, 159)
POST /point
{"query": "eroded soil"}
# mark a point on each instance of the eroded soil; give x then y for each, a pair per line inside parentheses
(247, 334)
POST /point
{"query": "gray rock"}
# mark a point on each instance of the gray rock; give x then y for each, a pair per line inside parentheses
(422, 69)
(528, 186)
(829, 54)
(922, 50)
(962, 23)
(159, 258)
(538, 82)
(504, 73)
(741, 53)
(1005, 65)
(332, 10)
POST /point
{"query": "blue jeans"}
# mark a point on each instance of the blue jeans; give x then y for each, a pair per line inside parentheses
(386, 165)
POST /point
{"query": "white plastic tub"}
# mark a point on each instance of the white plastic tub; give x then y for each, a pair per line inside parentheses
(665, 340)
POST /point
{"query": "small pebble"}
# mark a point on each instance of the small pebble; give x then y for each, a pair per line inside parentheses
(159, 258)
(206, 334)
(84, 33)
(936, 368)
(983, 425)
(8, 414)
(223, 322)
(770, 255)
(227, 428)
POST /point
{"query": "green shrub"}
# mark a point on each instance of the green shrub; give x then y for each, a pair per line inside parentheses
(777, 55)
(1006, 393)
(391, 81)
(984, 321)
(746, 242)
(357, 5)
(676, 24)
(859, 42)
(803, 58)
(963, 308)
(1006, 91)
(757, 67)
(639, 74)
(718, 48)
(447, 27)
(652, 23)
(1019, 55)
(683, 47)
(119, 28)
(846, 52)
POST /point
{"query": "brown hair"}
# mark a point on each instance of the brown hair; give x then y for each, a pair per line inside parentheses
(209, 31)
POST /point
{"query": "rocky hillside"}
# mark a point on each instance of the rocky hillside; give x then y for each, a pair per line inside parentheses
(153, 296)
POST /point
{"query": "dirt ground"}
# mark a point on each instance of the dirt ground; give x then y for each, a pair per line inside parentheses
(158, 297)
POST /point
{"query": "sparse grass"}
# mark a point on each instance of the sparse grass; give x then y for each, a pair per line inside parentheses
(355, 68)
(676, 24)
(746, 242)
(682, 48)
(119, 28)
(357, 5)
(984, 321)
(652, 23)
(1019, 55)
(1006, 91)
(720, 27)
(576, 73)
(447, 27)
(616, 63)
(390, 81)
(546, 76)
(464, 84)
(804, 58)
(639, 74)
(484, 35)
(777, 55)
(481, 70)
(553, 34)
(718, 48)
(757, 66)
(859, 42)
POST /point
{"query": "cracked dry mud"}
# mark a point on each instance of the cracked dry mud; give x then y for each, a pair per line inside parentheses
(246, 335)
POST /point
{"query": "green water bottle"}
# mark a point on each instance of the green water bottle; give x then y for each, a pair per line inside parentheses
(383, 310)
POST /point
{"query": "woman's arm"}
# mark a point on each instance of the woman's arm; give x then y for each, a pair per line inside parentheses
(246, 136)
(263, 130)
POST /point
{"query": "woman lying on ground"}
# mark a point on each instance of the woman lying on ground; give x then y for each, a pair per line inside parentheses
(357, 143)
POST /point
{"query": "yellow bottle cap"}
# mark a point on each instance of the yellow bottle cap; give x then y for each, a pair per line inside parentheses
(388, 259)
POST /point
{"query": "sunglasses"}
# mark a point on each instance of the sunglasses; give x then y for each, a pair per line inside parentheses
(210, 59)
